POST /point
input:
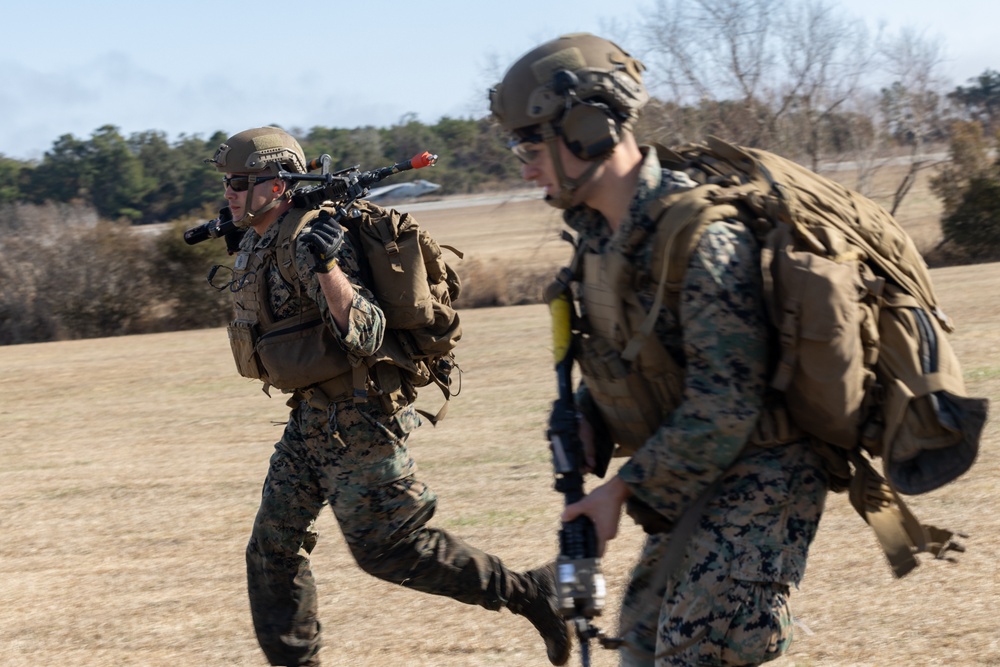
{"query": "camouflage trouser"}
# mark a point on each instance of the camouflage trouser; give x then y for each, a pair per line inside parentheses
(728, 603)
(353, 457)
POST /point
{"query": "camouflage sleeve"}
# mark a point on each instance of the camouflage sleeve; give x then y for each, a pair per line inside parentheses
(725, 351)
(366, 321)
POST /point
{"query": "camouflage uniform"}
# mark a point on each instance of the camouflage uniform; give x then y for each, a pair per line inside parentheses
(352, 456)
(728, 602)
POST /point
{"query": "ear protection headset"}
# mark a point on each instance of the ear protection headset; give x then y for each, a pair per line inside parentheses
(591, 129)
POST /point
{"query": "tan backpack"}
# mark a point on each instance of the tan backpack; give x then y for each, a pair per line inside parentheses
(864, 364)
(415, 288)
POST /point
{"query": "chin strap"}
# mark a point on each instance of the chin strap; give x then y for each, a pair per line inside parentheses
(247, 219)
(567, 186)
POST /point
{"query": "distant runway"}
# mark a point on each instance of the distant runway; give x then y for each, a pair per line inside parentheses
(455, 201)
(466, 201)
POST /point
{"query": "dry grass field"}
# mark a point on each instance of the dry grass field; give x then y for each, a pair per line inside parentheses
(130, 470)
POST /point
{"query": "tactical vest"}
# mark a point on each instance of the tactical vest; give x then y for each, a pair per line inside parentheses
(634, 381)
(403, 267)
(299, 353)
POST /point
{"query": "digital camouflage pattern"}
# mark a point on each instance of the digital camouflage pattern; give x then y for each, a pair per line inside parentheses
(732, 592)
(353, 457)
(728, 605)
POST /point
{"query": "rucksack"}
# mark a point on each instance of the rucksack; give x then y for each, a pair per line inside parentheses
(413, 284)
(862, 359)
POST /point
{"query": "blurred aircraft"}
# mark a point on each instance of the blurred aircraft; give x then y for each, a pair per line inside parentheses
(401, 191)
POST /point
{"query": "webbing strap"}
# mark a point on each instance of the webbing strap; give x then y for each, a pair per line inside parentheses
(639, 339)
(295, 220)
(899, 533)
(681, 222)
(435, 418)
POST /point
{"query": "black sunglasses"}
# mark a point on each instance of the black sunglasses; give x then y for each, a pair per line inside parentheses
(241, 183)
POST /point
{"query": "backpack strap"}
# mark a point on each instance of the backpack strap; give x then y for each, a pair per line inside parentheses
(681, 221)
(295, 220)
(899, 532)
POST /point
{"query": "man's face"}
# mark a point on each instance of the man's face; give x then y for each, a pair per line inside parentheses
(238, 197)
(538, 165)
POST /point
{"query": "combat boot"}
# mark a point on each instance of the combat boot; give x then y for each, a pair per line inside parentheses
(535, 599)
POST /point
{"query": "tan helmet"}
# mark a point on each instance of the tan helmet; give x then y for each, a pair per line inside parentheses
(260, 150)
(581, 87)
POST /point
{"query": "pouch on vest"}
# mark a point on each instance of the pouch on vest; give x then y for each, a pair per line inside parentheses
(630, 410)
(243, 342)
(301, 354)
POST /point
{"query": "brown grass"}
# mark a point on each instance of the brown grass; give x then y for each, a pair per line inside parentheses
(131, 469)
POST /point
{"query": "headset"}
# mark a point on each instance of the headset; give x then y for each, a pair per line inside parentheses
(591, 129)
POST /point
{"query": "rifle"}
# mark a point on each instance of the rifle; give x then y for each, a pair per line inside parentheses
(580, 583)
(343, 187)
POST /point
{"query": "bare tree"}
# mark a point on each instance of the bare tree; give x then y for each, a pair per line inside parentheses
(865, 144)
(913, 102)
(770, 73)
(825, 57)
(704, 51)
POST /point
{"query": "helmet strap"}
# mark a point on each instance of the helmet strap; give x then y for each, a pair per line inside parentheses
(249, 214)
(567, 186)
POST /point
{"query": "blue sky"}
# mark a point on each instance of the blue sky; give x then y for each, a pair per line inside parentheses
(193, 67)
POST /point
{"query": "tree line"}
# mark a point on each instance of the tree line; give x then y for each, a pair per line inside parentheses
(144, 178)
(798, 77)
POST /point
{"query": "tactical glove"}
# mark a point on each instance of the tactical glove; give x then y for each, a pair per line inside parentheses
(322, 242)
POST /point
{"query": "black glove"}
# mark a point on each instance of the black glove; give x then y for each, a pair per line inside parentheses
(233, 234)
(233, 238)
(322, 241)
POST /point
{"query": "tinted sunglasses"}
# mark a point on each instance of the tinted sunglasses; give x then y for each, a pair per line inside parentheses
(241, 183)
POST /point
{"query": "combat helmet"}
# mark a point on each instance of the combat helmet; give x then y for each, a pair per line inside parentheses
(259, 150)
(580, 88)
(260, 153)
(577, 83)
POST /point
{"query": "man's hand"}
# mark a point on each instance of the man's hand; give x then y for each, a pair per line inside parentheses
(604, 507)
(322, 242)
